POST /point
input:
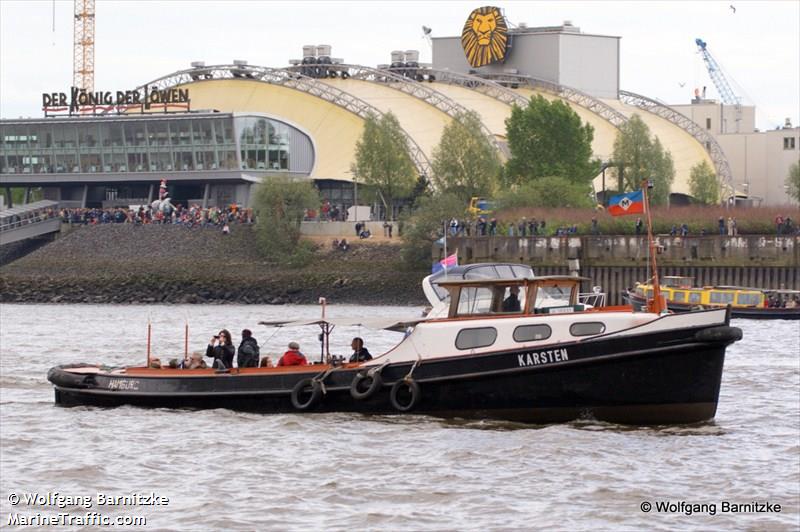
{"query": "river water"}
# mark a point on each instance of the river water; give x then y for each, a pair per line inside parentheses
(224, 470)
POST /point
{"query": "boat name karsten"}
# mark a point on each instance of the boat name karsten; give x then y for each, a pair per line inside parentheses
(542, 357)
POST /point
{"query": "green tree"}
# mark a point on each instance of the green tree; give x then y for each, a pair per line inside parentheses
(280, 205)
(703, 184)
(642, 157)
(793, 181)
(549, 191)
(425, 225)
(465, 163)
(549, 139)
(382, 161)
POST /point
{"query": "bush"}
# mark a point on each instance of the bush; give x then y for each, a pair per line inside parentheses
(546, 192)
(425, 225)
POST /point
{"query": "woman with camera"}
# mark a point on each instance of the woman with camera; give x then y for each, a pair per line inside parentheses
(221, 349)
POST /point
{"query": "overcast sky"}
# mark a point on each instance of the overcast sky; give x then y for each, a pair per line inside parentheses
(758, 45)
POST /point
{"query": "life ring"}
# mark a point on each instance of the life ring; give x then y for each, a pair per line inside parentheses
(405, 394)
(306, 394)
(365, 385)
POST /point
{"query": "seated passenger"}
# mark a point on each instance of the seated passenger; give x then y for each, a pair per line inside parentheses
(360, 353)
(266, 362)
(511, 303)
(155, 363)
(221, 349)
(293, 357)
(196, 361)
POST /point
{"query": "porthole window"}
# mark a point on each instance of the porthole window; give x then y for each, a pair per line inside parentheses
(587, 328)
(532, 333)
(479, 337)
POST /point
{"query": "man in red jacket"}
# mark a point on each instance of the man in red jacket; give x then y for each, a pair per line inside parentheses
(293, 357)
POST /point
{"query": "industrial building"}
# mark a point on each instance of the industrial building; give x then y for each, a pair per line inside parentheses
(242, 123)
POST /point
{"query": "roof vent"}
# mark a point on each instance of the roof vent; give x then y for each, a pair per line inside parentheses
(198, 64)
(240, 62)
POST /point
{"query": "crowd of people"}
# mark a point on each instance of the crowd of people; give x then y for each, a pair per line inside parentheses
(192, 216)
(222, 353)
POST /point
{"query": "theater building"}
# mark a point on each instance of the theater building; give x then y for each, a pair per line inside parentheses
(237, 124)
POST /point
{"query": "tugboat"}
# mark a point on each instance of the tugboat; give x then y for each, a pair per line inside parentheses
(544, 358)
(510, 347)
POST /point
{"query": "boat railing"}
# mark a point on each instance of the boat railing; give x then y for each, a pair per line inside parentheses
(594, 299)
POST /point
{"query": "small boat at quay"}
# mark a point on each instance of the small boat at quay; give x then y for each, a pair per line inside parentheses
(750, 303)
(517, 348)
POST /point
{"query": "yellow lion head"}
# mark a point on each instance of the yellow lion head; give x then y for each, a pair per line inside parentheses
(485, 36)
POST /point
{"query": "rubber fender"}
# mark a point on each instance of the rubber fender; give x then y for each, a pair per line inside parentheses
(306, 393)
(401, 387)
(364, 386)
(722, 334)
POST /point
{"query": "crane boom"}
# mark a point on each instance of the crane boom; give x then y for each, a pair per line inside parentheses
(726, 94)
(83, 45)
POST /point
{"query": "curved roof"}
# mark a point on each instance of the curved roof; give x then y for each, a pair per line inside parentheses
(336, 122)
(685, 149)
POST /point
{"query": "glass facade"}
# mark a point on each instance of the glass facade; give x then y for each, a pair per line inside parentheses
(176, 143)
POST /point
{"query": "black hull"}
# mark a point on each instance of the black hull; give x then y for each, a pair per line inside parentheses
(658, 378)
(758, 313)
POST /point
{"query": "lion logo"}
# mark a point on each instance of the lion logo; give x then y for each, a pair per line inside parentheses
(485, 36)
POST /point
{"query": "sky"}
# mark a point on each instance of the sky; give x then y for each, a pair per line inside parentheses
(757, 43)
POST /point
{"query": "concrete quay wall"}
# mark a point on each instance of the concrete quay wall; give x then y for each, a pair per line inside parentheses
(622, 250)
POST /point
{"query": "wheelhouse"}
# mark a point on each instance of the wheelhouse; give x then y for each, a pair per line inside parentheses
(490, 297)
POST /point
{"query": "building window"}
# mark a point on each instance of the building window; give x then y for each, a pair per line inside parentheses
(788, 143)
(708, 123)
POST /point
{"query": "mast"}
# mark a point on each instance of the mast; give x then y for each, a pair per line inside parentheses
(657, 305)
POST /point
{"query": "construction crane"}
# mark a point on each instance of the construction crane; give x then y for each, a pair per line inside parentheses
(83, 46)
(724, 89)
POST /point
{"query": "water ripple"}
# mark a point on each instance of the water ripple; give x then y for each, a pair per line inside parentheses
(241, 471)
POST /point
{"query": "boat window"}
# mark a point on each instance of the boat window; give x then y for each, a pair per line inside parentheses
(553, 296)
(479, 337)
(678, 297)
(587, 328)
(748, 299)
(721, 297)
(475, 300)
(694, 297)
(530, 333)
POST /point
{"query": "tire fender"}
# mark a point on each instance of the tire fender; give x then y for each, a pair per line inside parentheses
(373, 383)
(306, 394)
(409, 385)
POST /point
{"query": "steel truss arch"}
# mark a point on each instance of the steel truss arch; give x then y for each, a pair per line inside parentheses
(292, 80)
(575, 96)
(408, 86)
(723, 168)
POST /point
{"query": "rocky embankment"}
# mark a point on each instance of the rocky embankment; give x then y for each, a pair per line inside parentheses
(172, 264)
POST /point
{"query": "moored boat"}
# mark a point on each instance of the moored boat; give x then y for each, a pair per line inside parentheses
(752, 303)
(519, 349)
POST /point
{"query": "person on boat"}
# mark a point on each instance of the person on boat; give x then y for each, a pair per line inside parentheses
(248, 352)
(266, 362)
(293, 357)
(196, 361)
(511, 303)
(221, 349)
(360, 353)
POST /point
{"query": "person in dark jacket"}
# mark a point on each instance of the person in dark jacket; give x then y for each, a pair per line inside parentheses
(360, 353)
(221, 349)
(248, 353)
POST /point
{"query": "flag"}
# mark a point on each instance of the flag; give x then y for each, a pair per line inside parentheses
(447, 262)
(630, 203)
